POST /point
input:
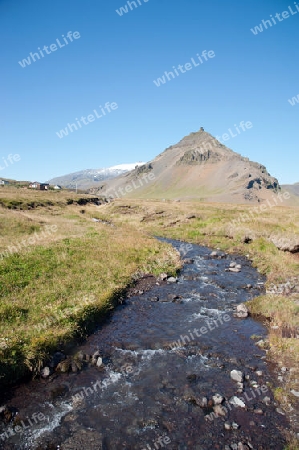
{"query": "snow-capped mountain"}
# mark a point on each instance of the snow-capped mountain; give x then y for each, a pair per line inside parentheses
(87, 178)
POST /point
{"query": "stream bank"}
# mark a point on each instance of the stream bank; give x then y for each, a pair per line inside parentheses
(161, 383)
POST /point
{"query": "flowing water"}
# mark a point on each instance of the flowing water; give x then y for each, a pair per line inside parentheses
(158, 365)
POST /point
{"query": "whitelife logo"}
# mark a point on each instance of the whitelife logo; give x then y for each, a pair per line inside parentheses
(87, 120)
(121, 192)
(9, 160)
(125, 9)
(12, 431)
(260, 209)
(33, 239)
(265, 23)
(294, 100)
(53, 47)
(184, 68)
(243, 125)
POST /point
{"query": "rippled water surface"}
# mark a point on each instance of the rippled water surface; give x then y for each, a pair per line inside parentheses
(156, 370)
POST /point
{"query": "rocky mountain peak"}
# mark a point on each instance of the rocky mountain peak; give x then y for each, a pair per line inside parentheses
(200, 147)
(198, 167)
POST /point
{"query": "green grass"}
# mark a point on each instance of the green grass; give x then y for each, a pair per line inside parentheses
(13, 226)
(54, 293)
(214, 227)
(57, 291)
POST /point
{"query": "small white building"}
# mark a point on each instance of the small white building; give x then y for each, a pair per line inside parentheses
(39, 186)
(3, 182)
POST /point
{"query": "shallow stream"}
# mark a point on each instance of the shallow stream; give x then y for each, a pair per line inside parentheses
(157, 369)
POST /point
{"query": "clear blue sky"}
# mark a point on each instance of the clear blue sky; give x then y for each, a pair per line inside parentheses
(117, 58)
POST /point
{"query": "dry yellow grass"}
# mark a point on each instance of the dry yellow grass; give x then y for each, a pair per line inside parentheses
(57, 287)
(87, 258)
(213, 225)
(219, 226)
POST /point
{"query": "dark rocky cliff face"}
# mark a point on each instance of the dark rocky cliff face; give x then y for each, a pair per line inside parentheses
(257, 183)
(199, 157)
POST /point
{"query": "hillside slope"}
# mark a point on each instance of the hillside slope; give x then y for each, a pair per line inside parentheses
(199, 167)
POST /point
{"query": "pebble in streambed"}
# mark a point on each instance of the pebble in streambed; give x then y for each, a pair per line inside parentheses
(203, 389)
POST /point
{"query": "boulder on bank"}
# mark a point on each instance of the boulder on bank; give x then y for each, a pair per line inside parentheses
(172, 280)
(286, 244)
(163, 276)
(241, 311)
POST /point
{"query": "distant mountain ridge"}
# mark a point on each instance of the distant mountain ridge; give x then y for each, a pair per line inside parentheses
(84, 179)
(198, 167)
(293, 188)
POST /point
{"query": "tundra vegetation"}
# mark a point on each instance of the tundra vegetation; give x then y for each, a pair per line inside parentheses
(97, 260)
(61, 285)
(234, 229)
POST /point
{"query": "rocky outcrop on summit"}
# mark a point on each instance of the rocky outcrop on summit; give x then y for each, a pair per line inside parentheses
(198, 167)
(198, 157)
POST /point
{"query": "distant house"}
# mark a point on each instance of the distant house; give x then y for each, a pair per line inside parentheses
(34, 185)
(3, 182)
(39, 186)
(57, 187)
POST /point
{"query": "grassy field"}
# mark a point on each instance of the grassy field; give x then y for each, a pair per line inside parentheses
(60, 270)
(237, 229)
